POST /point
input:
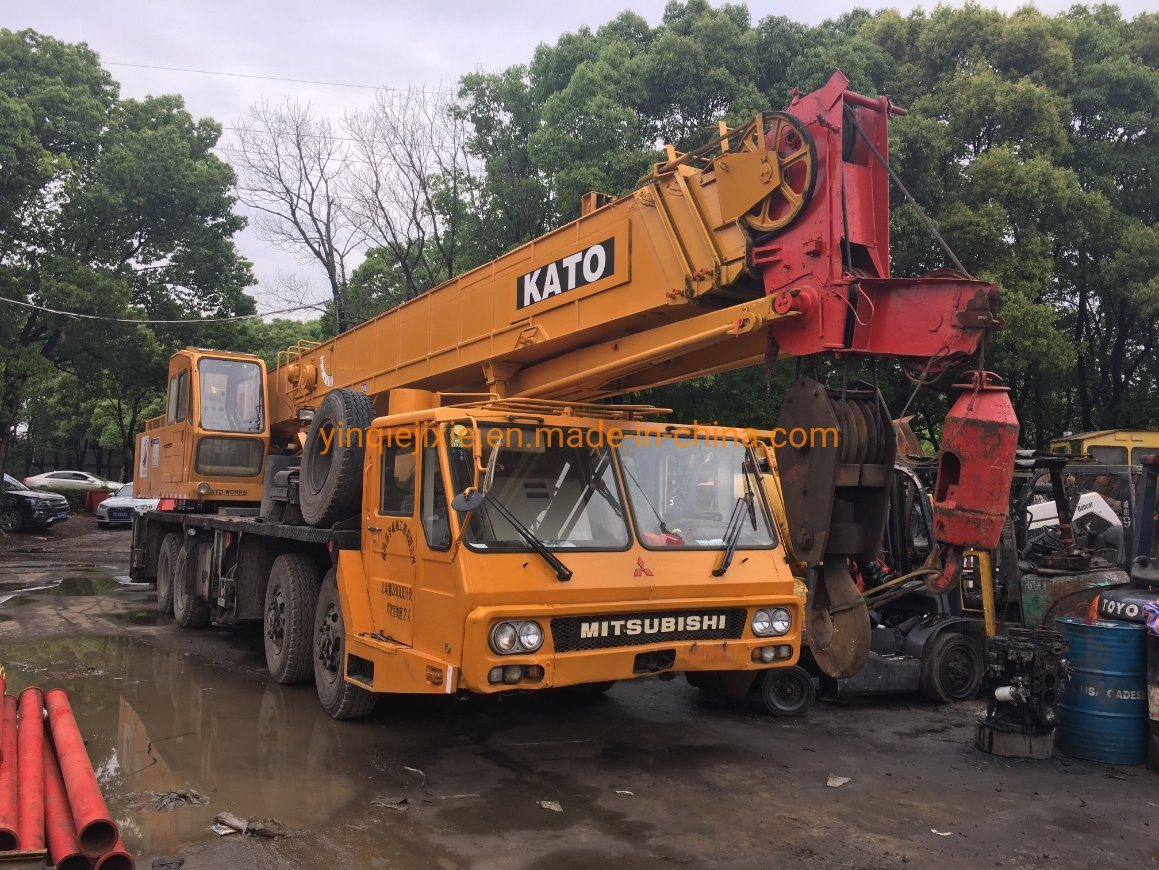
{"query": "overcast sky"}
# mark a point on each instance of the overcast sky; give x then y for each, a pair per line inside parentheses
(353, 42)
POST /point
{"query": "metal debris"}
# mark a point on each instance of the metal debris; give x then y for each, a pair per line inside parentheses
(253, 827)
(624, 791)
(554, 806)
(167, 801)
(941, 833)
(398, 804)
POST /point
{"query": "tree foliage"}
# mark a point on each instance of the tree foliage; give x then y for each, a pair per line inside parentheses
(109, 207)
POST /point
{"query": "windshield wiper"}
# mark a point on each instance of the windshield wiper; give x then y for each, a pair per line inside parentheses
(747, 503)
(562, 572)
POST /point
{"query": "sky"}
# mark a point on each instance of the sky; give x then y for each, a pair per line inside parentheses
(343, 42)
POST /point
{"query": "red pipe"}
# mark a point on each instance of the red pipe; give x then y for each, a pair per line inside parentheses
(96, 831)
(63, 851)
(30, 765)
(118, 859)
(9, 841)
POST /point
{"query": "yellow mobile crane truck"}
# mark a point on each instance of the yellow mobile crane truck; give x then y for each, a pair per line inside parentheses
(436, 502)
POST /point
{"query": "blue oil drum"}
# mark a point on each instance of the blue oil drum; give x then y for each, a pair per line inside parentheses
(1103, 712)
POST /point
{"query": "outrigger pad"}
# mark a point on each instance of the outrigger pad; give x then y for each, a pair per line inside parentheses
(837, 621)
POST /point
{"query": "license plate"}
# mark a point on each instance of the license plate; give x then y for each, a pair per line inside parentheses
(119, 515)
(63, 515)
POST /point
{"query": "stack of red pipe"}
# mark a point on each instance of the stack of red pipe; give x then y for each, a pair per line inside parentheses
(49, 796)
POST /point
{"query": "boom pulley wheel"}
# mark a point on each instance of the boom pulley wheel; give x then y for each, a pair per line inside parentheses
(793, 162)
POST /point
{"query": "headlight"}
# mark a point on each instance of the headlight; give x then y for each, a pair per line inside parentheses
(771, 622)
(516, 637)
(504, 637)
(530, 636)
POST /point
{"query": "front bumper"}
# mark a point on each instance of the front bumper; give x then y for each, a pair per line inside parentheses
(627, 660)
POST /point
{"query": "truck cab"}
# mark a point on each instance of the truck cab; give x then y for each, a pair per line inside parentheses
(594, 550)
(209, 447)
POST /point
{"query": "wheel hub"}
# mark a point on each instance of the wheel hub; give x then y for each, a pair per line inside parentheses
(276, 619)
(330, 641)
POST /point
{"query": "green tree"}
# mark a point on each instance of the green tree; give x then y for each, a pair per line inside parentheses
(112, 208)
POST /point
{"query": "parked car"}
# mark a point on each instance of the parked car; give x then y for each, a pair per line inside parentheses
(79, 480)
(121, 507)
(24, 508)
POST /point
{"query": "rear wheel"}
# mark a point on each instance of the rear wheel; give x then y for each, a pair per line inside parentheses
(786, 691)
(952, 668)
(291, 598)
(189, 610)
(166, 566)
(330, 484)
(340, 699)
(11, 520)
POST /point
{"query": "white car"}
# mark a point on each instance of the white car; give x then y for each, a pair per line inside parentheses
(61, 480)
(121, 507)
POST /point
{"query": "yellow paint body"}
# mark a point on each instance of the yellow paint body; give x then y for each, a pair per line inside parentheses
(421, 616)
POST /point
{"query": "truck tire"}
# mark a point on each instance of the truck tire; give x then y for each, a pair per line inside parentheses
(291, 598)
(952, 668)
(786, 692)
(340, 699)
(166, 568)
(189, 610)
(330, 485)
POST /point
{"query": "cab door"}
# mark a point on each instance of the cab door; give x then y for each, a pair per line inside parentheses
(392, 532)
(175, 433)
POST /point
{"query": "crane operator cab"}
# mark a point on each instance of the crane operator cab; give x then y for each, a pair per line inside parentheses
(210, 444)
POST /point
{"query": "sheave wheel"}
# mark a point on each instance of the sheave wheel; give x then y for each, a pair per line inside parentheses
(166, 566)
(291, 598)
(342, 700)
(786, 691)
(952, 668)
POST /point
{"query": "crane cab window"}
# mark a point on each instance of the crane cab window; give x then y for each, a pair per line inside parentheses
(231, 394)
(436, 519)
(683, 493)
(398, 480)
(178, 398)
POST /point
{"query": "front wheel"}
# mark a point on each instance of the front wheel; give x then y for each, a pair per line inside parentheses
(340, 699)
(786, 692)
(11, 521)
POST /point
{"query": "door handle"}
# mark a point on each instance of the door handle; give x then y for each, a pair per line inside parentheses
(373, 529)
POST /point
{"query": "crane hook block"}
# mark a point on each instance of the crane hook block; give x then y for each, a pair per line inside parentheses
(980, 436)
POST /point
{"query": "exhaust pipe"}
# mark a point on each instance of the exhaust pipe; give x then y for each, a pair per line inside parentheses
(30, 770)
(97, 834)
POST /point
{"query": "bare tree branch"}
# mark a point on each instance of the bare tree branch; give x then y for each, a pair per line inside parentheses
(290, 165)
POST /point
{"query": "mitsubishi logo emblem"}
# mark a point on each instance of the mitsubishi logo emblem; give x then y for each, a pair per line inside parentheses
(642, 570)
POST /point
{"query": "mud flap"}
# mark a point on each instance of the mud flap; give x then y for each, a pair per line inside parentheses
(836, 621)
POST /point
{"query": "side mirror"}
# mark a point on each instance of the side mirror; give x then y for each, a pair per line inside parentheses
(467, 500)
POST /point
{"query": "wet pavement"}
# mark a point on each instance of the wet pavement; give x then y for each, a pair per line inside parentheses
(648, 776)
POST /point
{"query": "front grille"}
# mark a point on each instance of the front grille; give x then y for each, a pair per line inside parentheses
(577, 633)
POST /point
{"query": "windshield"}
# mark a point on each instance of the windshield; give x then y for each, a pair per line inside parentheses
(566, 496)
(11, 483)
(683, 490)
(125, 491)
(231, 395)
